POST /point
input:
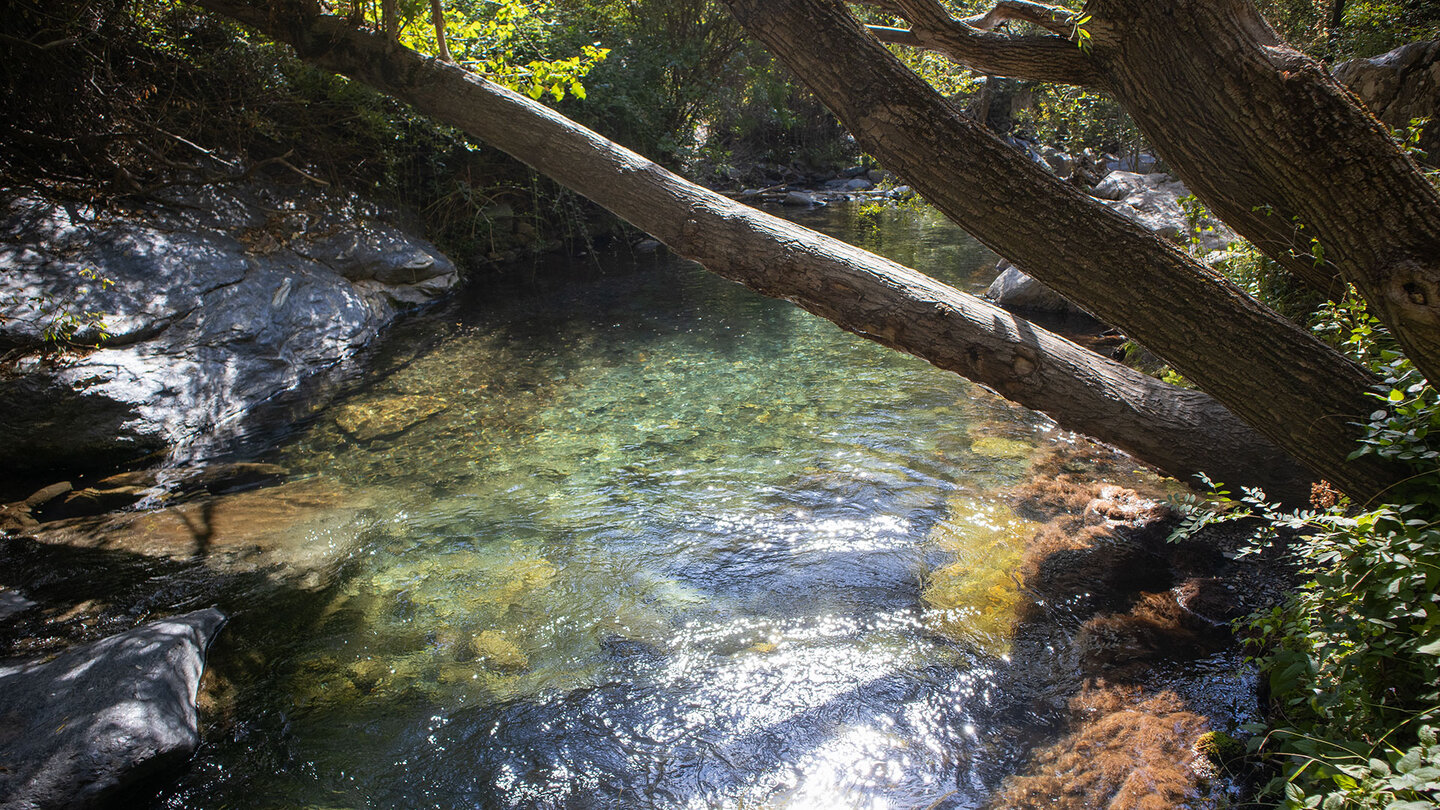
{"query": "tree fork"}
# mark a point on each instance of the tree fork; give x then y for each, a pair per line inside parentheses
(1262, 134)
(1179, 431)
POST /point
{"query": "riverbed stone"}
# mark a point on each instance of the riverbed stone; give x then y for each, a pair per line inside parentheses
(89, 501)
(294, 530)
(231, 477)
(76, 729)
(16, 518)
(499, 653)
(801, 199)
(217, 299)
(42, 498)
(13, 602)
(134, 478)
(388, 416)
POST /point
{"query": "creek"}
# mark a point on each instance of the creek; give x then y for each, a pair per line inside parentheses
(629, 535)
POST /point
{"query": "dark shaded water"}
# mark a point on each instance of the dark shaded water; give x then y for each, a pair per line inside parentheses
(654, 541)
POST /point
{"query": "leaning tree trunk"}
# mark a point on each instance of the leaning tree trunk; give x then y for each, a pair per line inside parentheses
(1303, 395)
(1262, 134)
(1270, 141)
(1182, 432)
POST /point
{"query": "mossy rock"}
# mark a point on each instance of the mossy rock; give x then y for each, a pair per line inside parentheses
(1220, 748)
(498, 653)
(977, 597)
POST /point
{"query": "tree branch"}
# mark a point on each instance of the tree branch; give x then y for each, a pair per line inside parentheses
(1056, 20)
(971, 44)
(895, 36)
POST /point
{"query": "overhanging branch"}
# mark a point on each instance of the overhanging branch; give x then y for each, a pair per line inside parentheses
(972, 44)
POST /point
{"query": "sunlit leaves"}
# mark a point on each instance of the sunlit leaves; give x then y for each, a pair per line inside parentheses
(508, 41)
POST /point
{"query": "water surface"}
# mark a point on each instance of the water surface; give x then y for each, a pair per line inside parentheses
(652, 540)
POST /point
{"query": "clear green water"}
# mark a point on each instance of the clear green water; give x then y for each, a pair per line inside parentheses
(661, 543)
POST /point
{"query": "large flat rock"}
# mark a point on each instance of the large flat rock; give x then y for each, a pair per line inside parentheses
(228, 309)
(100, 717)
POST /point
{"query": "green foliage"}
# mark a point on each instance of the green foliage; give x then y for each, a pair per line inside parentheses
(1076, 119)
(1353, 658)
(1405, 426)
(510, 42)
(1367, 27)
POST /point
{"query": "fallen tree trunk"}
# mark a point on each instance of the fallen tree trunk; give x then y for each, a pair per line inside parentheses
(1179, 431)
(1303, 395)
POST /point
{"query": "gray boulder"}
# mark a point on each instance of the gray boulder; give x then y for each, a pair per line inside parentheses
(801, 199)
(1154, 201)
(98, 718)
(1399, 87)
(222, 298)
(1014, 290)
(1059, 162)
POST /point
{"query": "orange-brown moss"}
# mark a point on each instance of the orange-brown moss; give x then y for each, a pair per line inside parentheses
(1126, 751)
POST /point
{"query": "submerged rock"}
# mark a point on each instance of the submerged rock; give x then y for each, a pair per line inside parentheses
(499, 653)
(294, 528)
(387, 417)
(216, 299)
(76, 729)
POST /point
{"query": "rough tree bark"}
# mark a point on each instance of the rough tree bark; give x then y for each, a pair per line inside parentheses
(1180, 431)
(1269, 372)
(1262, 134)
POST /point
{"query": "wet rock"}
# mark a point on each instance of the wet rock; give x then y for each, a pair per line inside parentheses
(233, 477)
(1116, 503)
(86, 502)
(220, 298)
(1210, 599)
(999, 447)
(800, 199)
(16, 518)
(858, 184)
(295, 529)
(387, 417)
(13, 602)
(499, 653)
(76, 729)
(44, 497)
(135, 478)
